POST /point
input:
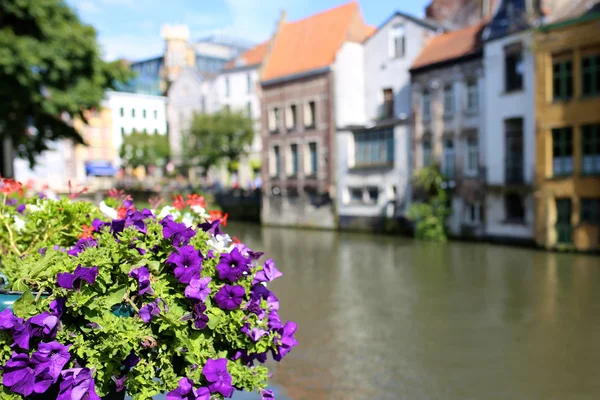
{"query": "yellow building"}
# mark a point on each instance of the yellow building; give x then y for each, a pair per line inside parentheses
(568, 133)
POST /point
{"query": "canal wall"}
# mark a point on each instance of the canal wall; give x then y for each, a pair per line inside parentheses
(302, 212)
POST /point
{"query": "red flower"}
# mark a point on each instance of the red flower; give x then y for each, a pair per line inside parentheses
(236, 240)
(121, 212)
(178, 202)
(74, 195)
(10, 186)
(195, 200)
(87, 232)
(115, 193)
(215, 215)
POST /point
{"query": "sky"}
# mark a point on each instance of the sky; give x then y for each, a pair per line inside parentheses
(131, 28)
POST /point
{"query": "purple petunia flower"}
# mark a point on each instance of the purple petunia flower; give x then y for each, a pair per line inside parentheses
(43, 251)
(187, 262)
(119, 382)
(198, 289)
(253, 306)
(43, 325)
(73, 281)
(248, 359)
(117, 226)
(98, 224)
(255, 333)
(142, 275)
(287, 341)
(247, 252)
(230, 297)
(58, 306)
(81, 245)
(200, 319)
(77, 383)
(268, 273)
(136, 219)
(51, 357)
(21, 208)
(274, 321)
(131, 360)
(216, 373)
(259, 292)
(186, 391)
(232, 265)
(179, 234)
(211, 227)
(20, 376)
(8, 320)
(267, 395)
(152, 309)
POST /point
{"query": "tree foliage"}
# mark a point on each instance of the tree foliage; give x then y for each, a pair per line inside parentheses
(143, 149)
(222, 136)
(50, 72)
(432, 208)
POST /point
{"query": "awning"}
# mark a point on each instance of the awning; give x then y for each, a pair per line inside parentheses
(100, 168)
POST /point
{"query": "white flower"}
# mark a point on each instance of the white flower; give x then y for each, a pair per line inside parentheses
(220, 243)
(188, 220)
(108, 211)
(39, 206)
(200, 211)
(168, 210)
(19, 223)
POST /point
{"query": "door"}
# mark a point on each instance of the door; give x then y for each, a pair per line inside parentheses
(563, 221)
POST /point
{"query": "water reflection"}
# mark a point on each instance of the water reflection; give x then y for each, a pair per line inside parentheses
(388, 318)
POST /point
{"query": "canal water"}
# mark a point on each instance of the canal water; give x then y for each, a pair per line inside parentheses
(390, 318)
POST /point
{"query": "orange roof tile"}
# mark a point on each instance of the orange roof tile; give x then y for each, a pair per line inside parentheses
(253, 56)
(449, 46)
(313, 42)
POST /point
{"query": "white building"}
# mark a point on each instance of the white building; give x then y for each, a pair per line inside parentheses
(509, 125)
(373, 108)
(135, 112)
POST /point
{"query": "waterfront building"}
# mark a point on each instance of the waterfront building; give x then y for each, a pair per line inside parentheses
(567, 173)
(311, 71)
(447, 86)
(373, 143)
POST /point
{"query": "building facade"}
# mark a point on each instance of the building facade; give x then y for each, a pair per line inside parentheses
(448, 106)
(299, 111)
(373, 139)
(567, 173)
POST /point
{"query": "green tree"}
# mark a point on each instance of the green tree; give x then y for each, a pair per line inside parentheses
(143, 148)
(50, 72)
(432, 207)
(222, 136)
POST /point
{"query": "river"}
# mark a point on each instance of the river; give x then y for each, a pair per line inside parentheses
(384, 317)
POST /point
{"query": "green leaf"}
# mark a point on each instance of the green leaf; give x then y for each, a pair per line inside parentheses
(115, 296)
(24, 306)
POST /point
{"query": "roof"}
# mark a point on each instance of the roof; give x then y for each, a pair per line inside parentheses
(450, 46)
(424, 22)
(251, 57)
(312, 43)
(573, 12)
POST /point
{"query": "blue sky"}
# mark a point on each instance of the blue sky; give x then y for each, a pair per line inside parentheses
(131, 28)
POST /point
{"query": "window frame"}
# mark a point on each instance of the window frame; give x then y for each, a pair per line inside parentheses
(562, 80)
(448, 100)
(295, 160)
(513, 80)
(523, 208)
(449, 153)
(311, 105)
(374, 148)
(471, 151)
(314, 158)
(397, 32)
(276, 161)
(590, 136)
(562, 140)
(591, 206)
(426, 157)
(472, 89)
(514, 164)
(594, 74)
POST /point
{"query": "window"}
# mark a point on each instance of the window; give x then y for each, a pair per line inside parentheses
(472, 213)
(448, 100)
(290, 118)
(426, 105)
(563, 220)
(249, 83)
(276, 161)
(388, 104)
(513, 69)
(426, 153)
(514, 207)
(156, 131)
(590, 75)
(397, 41)
(590, 211)
(562, 79)
(274, 120)
(294, 152)
(310, 115)
(374, 147)
(122, 131)
(312, 147)
(472, 96)
(472, 162)
(249, 109)
(513, 154)
(155, 114)
(133, 112)
(356, 195)
(373, 194)
(562, 151)
(122, 111)
(590, 138)
(448, 159)
(227, 88)
(144, 113)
